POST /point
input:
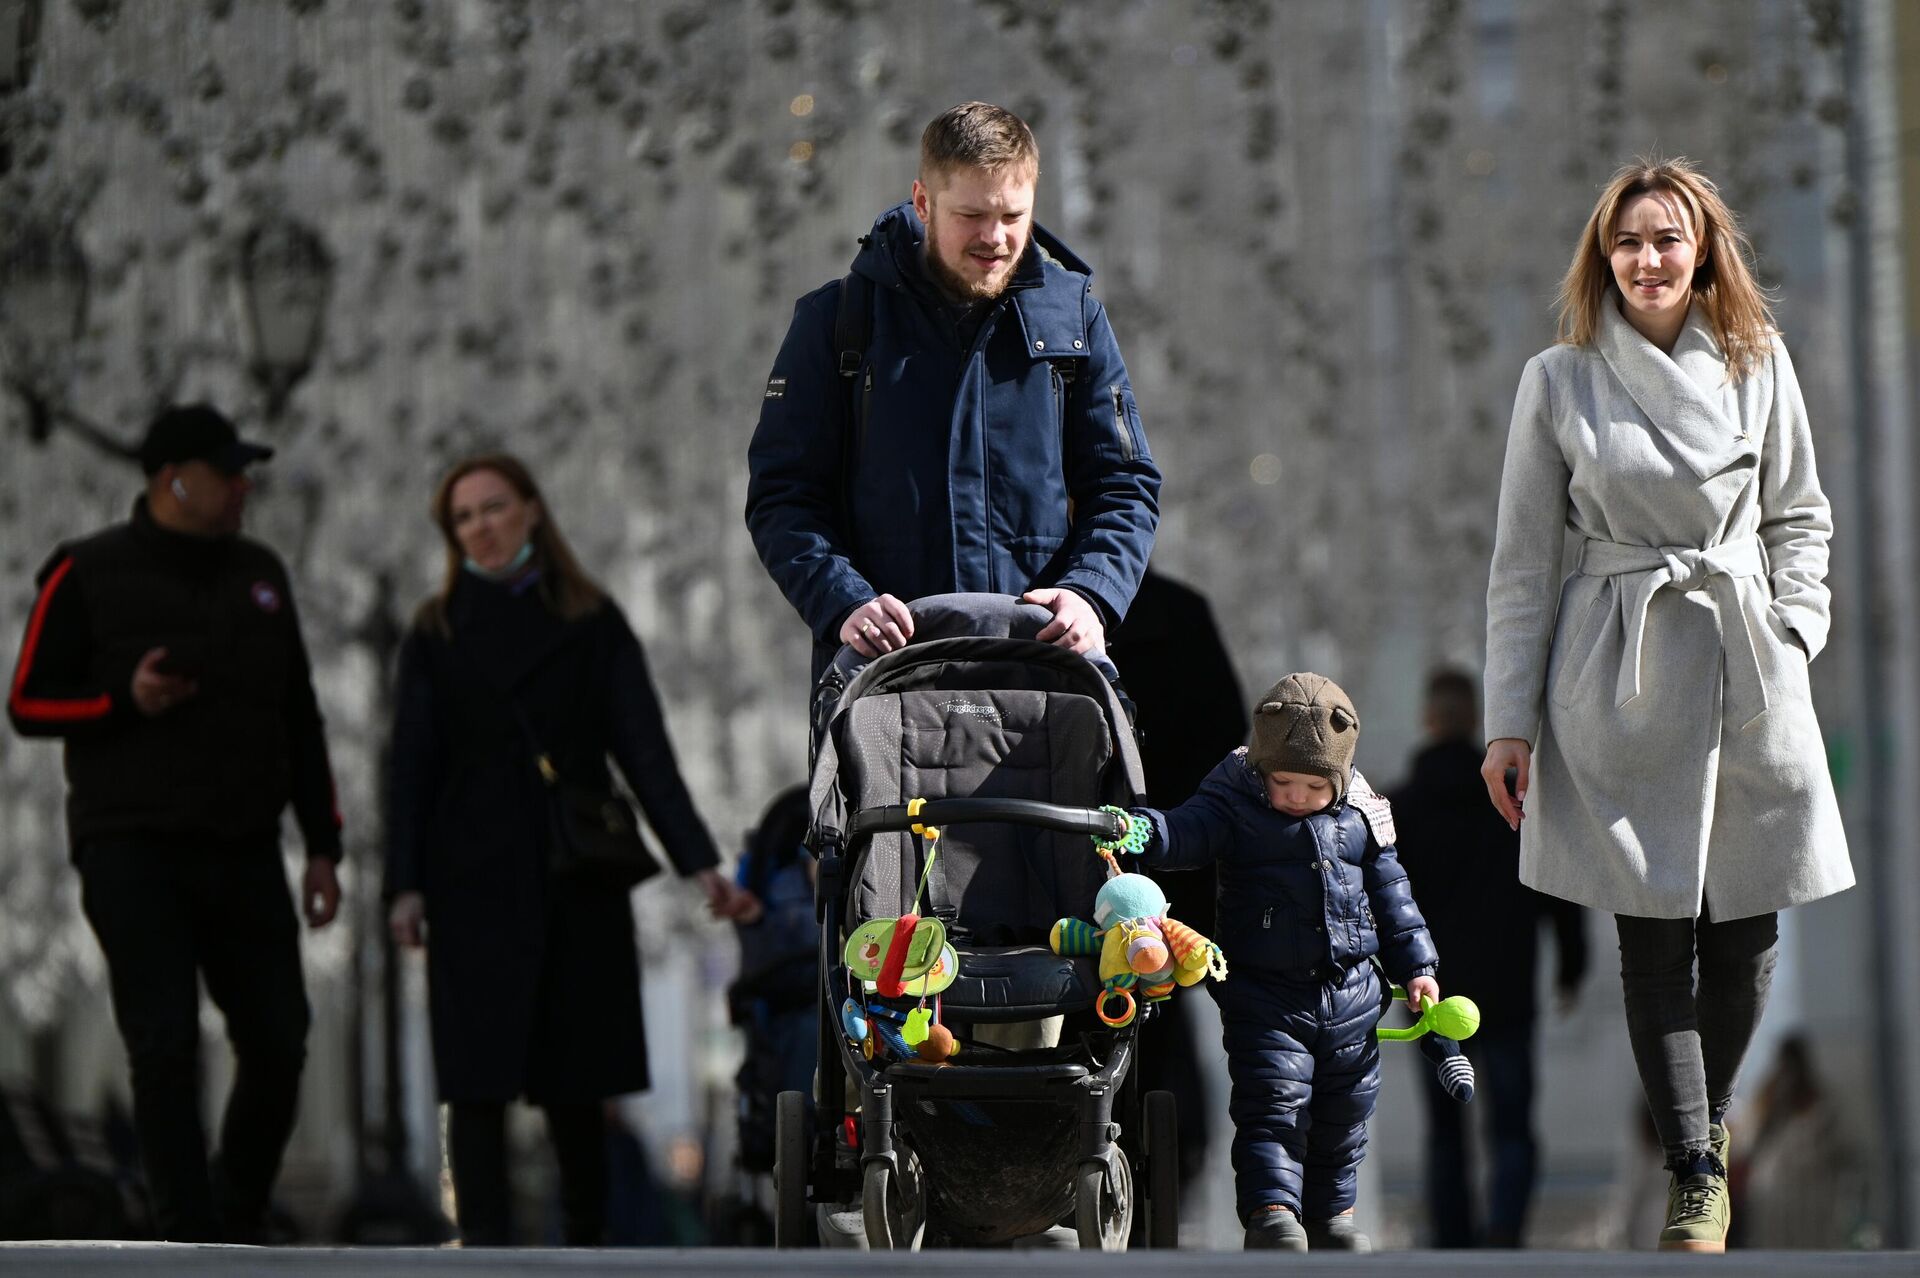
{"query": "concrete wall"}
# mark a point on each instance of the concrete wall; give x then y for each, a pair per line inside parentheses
(1328, 233)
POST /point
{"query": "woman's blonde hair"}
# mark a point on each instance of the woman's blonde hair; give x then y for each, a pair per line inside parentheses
(1736, 306)
(564, 585)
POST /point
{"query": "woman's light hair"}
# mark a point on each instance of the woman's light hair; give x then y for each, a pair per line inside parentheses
(1723, 282)
(564, 586)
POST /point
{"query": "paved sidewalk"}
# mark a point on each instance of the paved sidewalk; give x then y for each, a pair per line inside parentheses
(111, 1260)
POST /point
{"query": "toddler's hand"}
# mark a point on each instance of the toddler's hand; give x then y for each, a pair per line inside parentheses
(1421, 987)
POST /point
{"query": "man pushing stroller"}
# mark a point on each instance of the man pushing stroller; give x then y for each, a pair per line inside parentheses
(1311, 890)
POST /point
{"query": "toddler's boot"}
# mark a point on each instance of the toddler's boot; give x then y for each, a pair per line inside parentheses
(1275, 1228)
(1337, 1234)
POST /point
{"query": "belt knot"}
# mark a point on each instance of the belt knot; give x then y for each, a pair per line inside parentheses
(1688, 567)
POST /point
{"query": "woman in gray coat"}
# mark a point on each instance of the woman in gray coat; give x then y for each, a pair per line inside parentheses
(1650, 693)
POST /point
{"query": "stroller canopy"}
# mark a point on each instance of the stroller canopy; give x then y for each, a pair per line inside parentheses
(974, 707)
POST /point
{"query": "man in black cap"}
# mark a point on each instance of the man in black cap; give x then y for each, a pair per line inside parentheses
(166, 653)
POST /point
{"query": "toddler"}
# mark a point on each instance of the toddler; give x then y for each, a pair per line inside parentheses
(1311, 891)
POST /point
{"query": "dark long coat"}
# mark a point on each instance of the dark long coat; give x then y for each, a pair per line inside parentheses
(533, 984)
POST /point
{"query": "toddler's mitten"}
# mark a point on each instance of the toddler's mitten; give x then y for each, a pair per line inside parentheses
(1455, 1070)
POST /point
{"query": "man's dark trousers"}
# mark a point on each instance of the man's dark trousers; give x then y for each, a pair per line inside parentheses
(1503, 1059)
(169, 911)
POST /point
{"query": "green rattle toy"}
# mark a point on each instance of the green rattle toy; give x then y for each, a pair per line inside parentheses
(1449, 1020)
(1456, 1017)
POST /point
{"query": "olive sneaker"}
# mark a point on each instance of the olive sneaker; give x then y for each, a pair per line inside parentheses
(1698, 1211)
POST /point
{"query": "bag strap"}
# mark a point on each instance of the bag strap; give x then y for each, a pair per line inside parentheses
(852, 334)
(542, 761)
(853, 323)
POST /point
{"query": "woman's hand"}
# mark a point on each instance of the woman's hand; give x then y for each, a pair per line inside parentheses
(1505, 753)
(1419, 990)
(406, 919)
(727, 899)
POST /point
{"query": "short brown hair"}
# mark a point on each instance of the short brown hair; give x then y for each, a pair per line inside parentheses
(1453, 703)
(977, 135)
(564, 586)
(1735, 304)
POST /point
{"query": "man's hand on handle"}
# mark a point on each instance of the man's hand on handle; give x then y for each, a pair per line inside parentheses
(881, 624)
(1076, 624)
(1505, 753)
(1420, 989)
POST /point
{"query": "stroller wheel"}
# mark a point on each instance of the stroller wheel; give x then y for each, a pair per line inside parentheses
(1103, 1203)
(894, 1206)
(790, 1158)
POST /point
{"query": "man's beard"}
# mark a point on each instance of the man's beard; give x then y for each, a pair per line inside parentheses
(958, 286)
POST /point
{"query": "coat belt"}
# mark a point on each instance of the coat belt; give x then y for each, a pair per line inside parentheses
(1715, 569)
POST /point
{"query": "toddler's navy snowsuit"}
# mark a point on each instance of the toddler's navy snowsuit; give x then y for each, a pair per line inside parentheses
(1305, 903)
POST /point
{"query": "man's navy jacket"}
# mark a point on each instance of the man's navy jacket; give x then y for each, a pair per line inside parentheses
(998, 460)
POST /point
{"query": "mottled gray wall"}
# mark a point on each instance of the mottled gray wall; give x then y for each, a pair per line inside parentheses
(1328, 233)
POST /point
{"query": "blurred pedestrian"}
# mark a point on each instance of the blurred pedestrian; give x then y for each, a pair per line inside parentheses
(1464, 862)
(776, 997)
(1653, 700)
(166, 653)
(1803, 1183)
(953, 415)
(517, 671)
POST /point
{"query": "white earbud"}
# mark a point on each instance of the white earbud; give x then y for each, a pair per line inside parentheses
(179, 489)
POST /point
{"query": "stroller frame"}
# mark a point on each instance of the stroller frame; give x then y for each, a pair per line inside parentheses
(1077, 1090)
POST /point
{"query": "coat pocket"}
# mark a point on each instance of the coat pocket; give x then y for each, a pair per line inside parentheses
(1579, 653)
(1783, 663)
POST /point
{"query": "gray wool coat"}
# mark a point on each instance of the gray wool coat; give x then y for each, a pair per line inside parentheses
(1657, 657)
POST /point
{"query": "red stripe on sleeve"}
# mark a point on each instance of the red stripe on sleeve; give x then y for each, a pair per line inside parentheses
(50, 709)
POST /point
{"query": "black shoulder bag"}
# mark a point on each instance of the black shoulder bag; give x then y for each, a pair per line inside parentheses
(593, 835)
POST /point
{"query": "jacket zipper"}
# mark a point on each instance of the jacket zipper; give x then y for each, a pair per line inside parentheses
(1266, 917)
(1120, 423)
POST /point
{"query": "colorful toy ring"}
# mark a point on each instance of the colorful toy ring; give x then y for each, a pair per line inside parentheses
(1126, 998)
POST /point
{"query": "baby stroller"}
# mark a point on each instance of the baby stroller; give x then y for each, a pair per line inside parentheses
(1014, 746)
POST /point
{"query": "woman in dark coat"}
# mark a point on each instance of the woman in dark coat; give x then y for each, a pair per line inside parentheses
(533, 981)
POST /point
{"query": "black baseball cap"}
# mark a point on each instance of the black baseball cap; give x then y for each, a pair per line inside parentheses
(197, 432)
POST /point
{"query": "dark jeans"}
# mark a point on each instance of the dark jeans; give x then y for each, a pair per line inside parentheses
(168, 914)
(1503, 1061)
(1688, 1040)
(477, 1153)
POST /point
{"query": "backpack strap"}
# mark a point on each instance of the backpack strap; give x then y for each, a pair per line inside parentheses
(852, 334)
(853, 326)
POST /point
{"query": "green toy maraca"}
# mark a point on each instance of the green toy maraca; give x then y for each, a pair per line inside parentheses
(1456, 1017)
(1450, 1020)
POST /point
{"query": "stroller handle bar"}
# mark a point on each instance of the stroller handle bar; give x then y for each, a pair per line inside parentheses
(1108, 827)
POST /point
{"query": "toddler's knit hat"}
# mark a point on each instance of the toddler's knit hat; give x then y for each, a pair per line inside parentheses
(1305, 723)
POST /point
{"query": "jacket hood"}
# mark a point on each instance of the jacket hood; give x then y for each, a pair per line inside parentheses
(890, 253)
